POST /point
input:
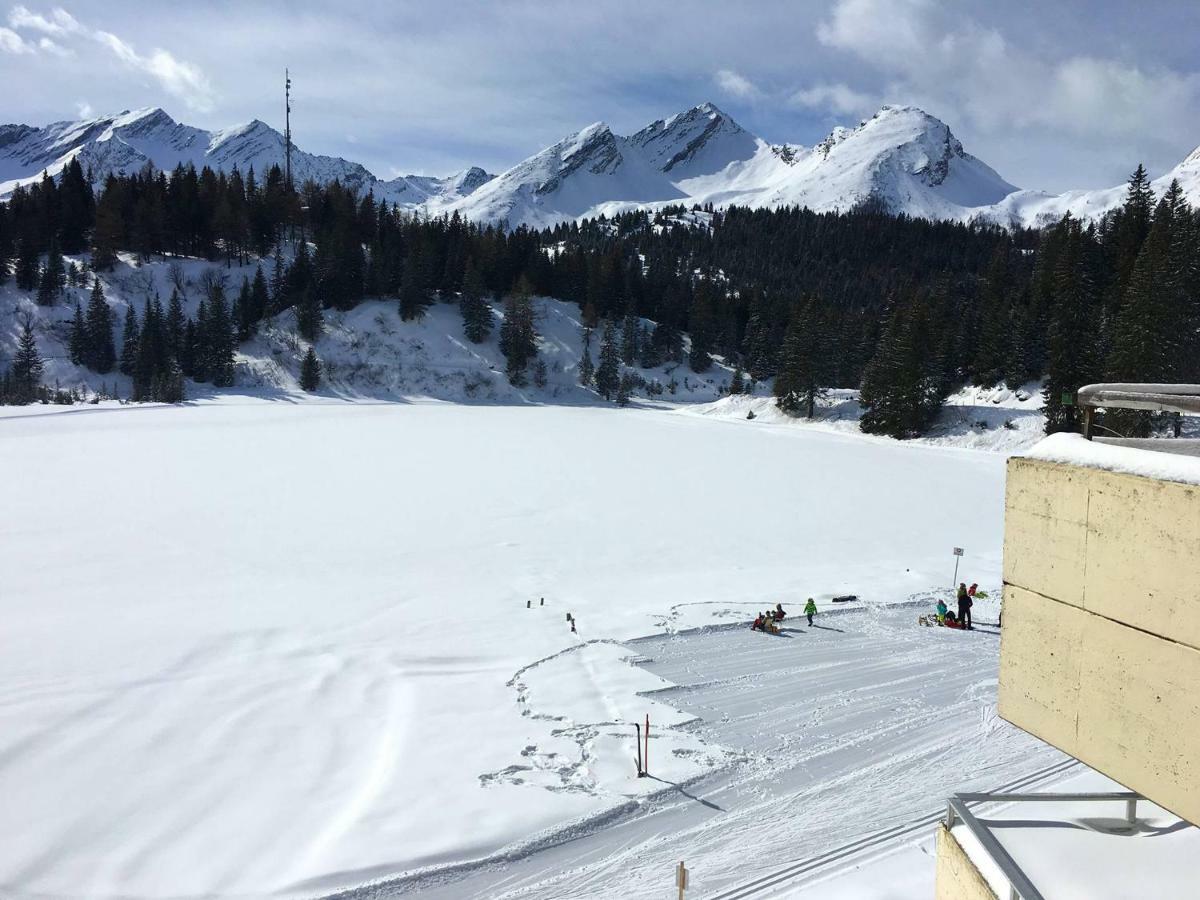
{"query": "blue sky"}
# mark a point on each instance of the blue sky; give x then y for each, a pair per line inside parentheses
(1052, 95)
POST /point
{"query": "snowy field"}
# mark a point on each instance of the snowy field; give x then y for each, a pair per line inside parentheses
(258, 648)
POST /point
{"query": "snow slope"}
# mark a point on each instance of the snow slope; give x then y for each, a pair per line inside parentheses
(902, 158)
(368, 352)
(238, 679)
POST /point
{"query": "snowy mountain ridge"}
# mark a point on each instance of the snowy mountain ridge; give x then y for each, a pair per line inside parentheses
(902, 158)
(126, 142)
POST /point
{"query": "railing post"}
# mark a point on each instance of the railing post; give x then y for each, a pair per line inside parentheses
(1131, 811)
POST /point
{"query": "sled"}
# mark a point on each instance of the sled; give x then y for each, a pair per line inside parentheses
(847, 598)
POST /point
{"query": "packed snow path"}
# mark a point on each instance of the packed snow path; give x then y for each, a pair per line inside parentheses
(849, 736)
(283, 649)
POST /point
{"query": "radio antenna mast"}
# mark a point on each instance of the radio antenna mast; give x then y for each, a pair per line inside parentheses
(287, 128)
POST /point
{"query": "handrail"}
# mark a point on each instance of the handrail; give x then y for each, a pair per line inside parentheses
(1176, 398)
(1018, 881)
(1020, 887)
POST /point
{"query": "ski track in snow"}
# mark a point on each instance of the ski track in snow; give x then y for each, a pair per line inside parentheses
(850, 740)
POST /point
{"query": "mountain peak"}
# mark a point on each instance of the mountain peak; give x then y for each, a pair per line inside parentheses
(697, 141)
(147, 117)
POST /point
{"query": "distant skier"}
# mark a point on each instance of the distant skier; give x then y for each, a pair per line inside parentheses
(941, 612)
(964, 605)
(779, 614)
(810, 610)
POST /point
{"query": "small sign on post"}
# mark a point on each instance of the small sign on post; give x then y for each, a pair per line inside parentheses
(958, 552)
(681, 878)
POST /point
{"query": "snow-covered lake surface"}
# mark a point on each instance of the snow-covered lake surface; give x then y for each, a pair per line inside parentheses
(256, 648)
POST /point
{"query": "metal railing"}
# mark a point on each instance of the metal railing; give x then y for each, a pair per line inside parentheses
(1020, 887)
(1176, 398)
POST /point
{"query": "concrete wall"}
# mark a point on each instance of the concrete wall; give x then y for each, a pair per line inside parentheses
(957, 877)
(1100, 650)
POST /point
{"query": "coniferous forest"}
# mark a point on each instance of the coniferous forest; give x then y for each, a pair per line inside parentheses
(904, 310)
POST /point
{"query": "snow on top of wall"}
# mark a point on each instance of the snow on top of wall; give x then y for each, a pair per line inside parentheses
(1075, 450)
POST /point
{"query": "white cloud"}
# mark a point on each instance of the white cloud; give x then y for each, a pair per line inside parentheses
(59, 23)
(839, 98)
(735, 85)
(11, 42)
(936, 56)
(175, 76)
(48, 46)
(84, 109)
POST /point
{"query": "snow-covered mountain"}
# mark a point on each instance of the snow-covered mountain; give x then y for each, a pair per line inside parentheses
(126, 142)
(902, 158)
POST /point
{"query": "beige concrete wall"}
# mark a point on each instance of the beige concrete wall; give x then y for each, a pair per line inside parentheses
(1121, 546)
(1100, 650)
(957, 877)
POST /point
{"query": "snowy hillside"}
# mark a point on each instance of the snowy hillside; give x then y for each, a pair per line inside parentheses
(1035, 208)
(902, 157)
(368, 352)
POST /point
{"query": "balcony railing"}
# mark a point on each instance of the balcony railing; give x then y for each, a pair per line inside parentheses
(1019, 885)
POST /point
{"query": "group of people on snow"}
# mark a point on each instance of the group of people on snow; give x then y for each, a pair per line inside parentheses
(769, 621)
(966, 599)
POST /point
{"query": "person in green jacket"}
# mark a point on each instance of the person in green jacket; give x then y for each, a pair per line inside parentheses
(810, 610)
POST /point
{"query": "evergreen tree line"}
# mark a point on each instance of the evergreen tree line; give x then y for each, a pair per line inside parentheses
(905, 309)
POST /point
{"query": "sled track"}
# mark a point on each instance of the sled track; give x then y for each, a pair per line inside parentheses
(879, 838)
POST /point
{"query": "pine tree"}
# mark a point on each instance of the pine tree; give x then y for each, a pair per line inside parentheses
(476, 313)
(110, 228)
(53, 280)
(260, 298)
(101, 355)
(279, 300)
(630, 332)
(129, 343)
(414, 296)
(737, 382)
(170, 387)
(27, 367)
(77, 345)
(1073, 320)
(901, 392)
(803, 362)
(993, 349)
(624, 390)
(25, 273)
(173, 328)
(1151, 330)
(540, 376)
(243, 312)
(221, 340)
(608, 374)
(587, 369)
(310, 371)
(309, 317)
(518, 334)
